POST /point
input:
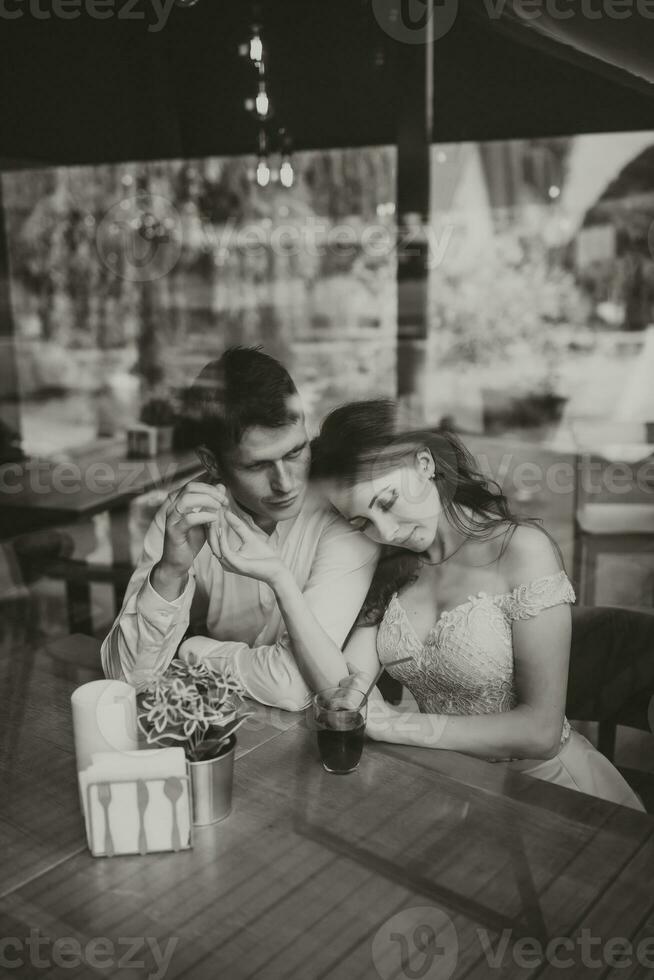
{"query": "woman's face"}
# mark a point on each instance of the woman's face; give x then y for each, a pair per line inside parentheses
(398, 506)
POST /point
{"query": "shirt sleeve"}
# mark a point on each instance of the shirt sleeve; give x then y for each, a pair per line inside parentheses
(340, 576)
(148, 629)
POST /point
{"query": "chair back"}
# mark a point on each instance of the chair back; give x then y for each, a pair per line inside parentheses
(611, 673)
(615, 462)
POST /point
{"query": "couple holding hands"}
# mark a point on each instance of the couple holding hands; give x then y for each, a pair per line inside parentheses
(313, 564)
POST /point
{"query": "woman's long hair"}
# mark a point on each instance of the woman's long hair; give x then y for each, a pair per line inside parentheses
(362, 439)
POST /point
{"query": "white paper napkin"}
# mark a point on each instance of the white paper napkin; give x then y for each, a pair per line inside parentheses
(104, 719)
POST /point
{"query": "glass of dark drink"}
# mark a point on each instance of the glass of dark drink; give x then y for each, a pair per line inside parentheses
(339, 716)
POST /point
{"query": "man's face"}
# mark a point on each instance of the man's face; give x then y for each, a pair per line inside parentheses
(267, 472)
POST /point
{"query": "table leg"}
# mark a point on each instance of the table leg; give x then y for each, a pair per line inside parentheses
(120, 550)
(78, 597)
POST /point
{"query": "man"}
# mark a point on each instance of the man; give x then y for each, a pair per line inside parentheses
(250, 433)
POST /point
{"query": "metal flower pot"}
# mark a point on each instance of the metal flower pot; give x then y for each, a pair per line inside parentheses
(211, 787)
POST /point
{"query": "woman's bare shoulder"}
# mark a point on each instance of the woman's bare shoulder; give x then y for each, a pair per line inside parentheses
(529, 554)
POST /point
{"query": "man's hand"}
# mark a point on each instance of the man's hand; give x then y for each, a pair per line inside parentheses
(252, 557)
(189, 512)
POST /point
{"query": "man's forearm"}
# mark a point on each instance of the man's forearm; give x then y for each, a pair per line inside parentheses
(270, 673)
(168, 582)
(148, 629)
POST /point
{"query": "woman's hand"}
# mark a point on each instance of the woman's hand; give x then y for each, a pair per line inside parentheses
(380, 716)
(253, 557)
(356, 679)
(381, 721)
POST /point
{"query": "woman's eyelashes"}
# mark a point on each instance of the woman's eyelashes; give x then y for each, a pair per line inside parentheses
(387, 504)
(361, 523)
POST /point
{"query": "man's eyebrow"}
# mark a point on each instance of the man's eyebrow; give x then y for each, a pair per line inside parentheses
(295, 449)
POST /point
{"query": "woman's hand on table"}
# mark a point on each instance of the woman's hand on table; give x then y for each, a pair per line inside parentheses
(381, 720)
(385, 723)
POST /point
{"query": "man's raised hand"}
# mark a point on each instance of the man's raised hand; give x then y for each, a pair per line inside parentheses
(188, 512)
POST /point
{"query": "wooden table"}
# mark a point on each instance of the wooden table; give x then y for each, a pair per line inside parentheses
(97, 479)
(43, 493)
(319, 876)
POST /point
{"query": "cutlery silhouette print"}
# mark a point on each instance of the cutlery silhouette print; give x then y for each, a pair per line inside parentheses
(142, 797)
(173, 789)
(104, 798)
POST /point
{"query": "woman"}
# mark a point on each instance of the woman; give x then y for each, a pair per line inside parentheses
(476, 599)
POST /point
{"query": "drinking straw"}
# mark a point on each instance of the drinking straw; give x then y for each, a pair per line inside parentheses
(391, 663)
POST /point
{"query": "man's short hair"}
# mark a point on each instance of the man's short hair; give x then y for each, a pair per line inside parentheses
(242, 388)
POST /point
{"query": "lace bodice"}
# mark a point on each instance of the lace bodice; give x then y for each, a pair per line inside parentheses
(465, 665)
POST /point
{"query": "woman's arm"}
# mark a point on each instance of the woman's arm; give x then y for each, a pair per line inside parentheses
(318, 656)
(320, 659)
(531, 730)
(362, 660)
(541, 646)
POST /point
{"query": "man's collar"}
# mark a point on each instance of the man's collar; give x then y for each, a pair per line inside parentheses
(281, 528)
(243, 514)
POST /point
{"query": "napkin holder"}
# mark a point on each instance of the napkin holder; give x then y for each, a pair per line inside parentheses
(137, 812)
(109, 838)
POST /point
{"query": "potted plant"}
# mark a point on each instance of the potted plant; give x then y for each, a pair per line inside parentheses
(198, 707)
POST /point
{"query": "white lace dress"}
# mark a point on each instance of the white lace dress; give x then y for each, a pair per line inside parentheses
(465, 667)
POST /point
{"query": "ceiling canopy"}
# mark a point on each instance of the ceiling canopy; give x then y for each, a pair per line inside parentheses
(616, 33)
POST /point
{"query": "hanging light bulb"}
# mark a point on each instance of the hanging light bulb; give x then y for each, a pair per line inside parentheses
(286, 170)
(286, 173)
(256, 47)
(263, 172)
(262, 102)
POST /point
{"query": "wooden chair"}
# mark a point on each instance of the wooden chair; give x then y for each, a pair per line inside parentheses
(611, 676)
(76, 657)
(614, 496)
(48, 553)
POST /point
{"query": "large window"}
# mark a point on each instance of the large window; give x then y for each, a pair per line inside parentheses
(126, 279)
(542, 282)
(541, 342)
